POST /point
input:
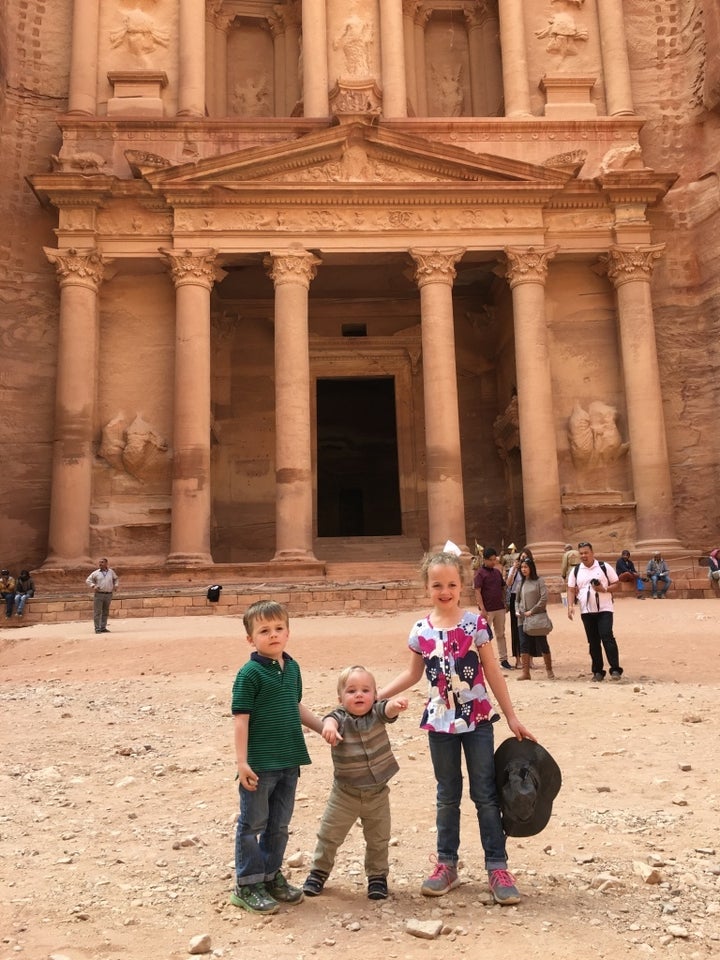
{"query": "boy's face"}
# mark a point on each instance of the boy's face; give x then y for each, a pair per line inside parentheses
(270, 637)
(359, 693)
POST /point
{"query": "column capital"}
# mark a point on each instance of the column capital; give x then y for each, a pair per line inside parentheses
(292, 267)
(479, 14)
(409, 7)
(631, 263)
(528, 264)
(195, 267)
(81, 268)
(436, 266)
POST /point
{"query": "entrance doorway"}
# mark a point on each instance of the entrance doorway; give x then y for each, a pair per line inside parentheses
(358, 488)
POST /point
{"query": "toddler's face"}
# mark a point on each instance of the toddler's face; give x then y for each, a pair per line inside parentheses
(359, 693)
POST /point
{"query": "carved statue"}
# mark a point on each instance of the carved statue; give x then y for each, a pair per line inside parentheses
(594, 436)
(251, 97)
(139, 33)
(84, 160)
(449, 90)
(563, 33)
(112, 443)
(621, 158)
(135, 449)
(355, 42)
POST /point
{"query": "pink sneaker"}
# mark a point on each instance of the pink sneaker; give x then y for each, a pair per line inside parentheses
(442, 880)
(502, 885)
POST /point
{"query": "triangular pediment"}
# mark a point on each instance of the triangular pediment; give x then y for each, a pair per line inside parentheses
(355, 153)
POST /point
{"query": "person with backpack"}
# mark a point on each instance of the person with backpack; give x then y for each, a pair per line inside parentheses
(591, 584)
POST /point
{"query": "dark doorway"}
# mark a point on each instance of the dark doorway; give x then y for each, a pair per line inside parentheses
(358, 489)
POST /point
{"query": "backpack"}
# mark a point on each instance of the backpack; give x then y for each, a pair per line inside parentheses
(213, 593)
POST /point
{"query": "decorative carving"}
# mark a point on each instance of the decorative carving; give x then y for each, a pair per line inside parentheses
(631, 263)
(84, 160)
(139, 162)
(355, 98)
(188, 266)
(573, 161)
(594, 436)
(578, 3)
(436, 266)
(139, 33)
(563, 33)
(356, 44)
(448, 90)
(251, 96)
(356, 166)
(528, 264)
(135, 449)
(623, 158)
(112, 442)
(506, 429)
(291, 267)
(82, 268)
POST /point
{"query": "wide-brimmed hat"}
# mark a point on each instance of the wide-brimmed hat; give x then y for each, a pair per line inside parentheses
(528, 780)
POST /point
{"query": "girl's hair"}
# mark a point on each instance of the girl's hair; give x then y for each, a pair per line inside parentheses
(347, 673)
(533, 575)
(264, 610)
(441, 559)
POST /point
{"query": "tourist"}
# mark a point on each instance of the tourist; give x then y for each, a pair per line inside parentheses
(658, 572)
(570, 558)
(625, 569)
(512, 583)
(24, 589)
(268, 715)
(489, 586)
(7, 591)
(714, 566)
(531, 600)
(363, 763)
(451, 646)
(591, 584)
(103, 582)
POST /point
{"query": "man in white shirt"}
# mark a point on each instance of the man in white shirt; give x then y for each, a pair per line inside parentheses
(591, 584)
(102, 582)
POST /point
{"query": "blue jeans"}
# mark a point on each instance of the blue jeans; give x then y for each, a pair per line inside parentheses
(599, 633)
(262, 828)
(445, 753)
(20, 601)
(9, 599)
(666, 581)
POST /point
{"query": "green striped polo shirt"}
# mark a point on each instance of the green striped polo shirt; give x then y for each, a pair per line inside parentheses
(364, 757)
(271, 694)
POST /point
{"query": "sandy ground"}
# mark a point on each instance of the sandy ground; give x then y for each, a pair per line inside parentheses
(118, 798)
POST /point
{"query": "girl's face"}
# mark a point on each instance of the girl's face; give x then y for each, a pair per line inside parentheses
(444, 586)
(525, 568)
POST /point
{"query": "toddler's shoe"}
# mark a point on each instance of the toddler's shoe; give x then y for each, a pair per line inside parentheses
(377, 888)
(502, 885)
(280, 890)
(314, 884)
(254, 898)
(442, 880)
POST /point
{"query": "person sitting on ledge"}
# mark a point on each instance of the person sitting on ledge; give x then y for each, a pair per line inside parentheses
(657, 570)
(625, 569)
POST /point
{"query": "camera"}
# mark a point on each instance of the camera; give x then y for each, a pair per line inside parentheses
(595, 582)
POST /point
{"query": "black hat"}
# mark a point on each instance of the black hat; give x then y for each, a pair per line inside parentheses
(528, 780)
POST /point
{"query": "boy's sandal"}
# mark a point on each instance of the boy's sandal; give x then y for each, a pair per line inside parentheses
(314, 883)
(377, 888)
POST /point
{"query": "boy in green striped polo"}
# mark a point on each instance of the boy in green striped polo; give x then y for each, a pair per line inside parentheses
(270, 748)
(363, 763)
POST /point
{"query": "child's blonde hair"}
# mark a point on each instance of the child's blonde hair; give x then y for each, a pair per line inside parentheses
(265, 610)
(346, 674)
(442, 559)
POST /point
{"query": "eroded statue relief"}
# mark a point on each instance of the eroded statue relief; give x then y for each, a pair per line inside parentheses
(564, 35)
(136, 449)
(448, 89)
(594, 436)
(139, 33)
(356, 43)
(251, 97)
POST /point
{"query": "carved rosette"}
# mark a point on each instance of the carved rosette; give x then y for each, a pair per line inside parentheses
(300, 268)
(631, 263)
(528, 264)
(436, 266)
(80, 268)
(191, 267)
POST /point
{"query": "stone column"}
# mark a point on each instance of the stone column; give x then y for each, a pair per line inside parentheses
(492, 62)
(292, 272)
(526, 274)
(82, 96)
(276, 25)
(616, 66)
(210, 59)
(434, 275)
(421, 18)
(315, 59)
(220, 70)
(392, 54)
(630, 269)
(292, 54)
(514, 58)
(193, 274)
(409, 9)
(191, 91)
(79, 273)
(474, 21)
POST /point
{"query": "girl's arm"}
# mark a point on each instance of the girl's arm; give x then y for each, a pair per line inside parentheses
(408, 678)
(499, 687)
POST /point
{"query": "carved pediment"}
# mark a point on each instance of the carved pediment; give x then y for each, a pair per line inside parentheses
(356, 153)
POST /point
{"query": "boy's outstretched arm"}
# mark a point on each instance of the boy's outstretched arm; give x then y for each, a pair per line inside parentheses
(395, 707)
(308, 719)
(408, 678)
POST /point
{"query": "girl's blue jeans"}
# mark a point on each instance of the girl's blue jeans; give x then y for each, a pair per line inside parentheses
(262, 828)
(445, 751)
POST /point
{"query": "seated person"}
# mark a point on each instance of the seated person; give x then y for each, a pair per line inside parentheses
(627, 573)
(657, 571)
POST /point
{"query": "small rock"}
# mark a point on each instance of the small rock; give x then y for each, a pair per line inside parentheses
(680, 801)
(200, 944)
(424, 929)
(678, 932)
(296, 860)
(648, 873)
(685, 767)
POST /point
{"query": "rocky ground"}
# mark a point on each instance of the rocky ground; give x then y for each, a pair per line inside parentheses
(118, 799)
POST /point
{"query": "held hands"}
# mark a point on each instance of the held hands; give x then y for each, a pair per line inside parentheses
(248, 778)
(396, 706)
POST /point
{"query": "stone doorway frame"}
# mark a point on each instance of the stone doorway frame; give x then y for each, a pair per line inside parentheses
(372, 357)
